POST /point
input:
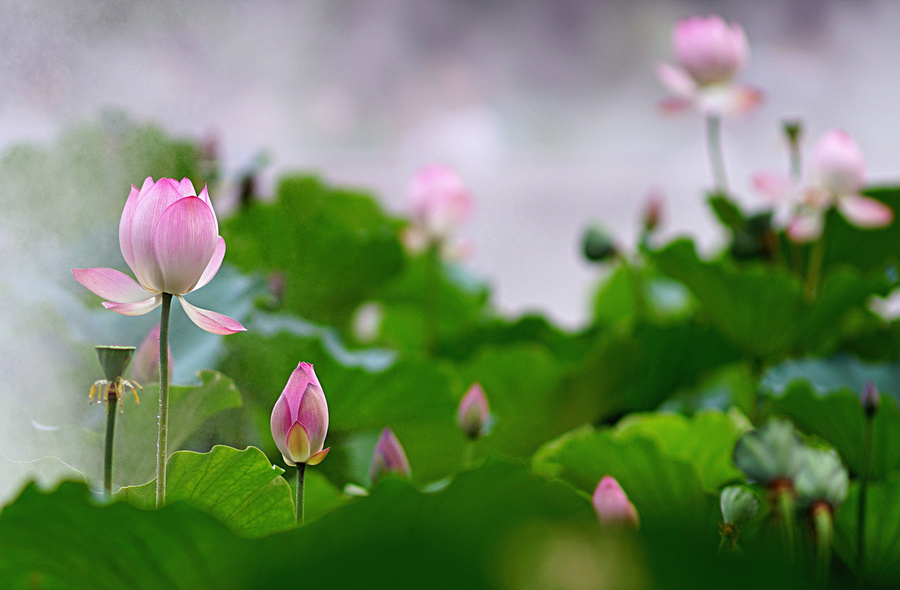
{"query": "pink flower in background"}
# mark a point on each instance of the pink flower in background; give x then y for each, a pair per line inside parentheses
(145, 366)
(170, 239)
(300, 418)
(709, 53)
(439, 203)
(473, 415)
(836, 176)
(612, 505)
(389, 457)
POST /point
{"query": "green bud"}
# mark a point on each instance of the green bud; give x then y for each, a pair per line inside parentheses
(770, 453)
(739, 505)
(598, 245)
(822, 478)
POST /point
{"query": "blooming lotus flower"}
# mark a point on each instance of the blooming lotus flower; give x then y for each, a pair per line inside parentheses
(145, 367)
(300, 418)
(473, 415)
(710, 53)
(170, 239)
(612, 505)
(837, 173)
(389, 457)
(439, 203)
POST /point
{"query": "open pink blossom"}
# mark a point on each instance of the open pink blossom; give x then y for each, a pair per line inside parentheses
(837, 171)
(300, 418)
(170, 239)
(612, 505)
(473, 415)
(709, 53)
(389, 457)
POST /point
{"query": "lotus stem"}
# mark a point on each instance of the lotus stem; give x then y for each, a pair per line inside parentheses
(112, 398)
(716, 156)
(864, 469)
(816, 258)
(432, 296)
(163, 401)
(300, 500)
(823, 524)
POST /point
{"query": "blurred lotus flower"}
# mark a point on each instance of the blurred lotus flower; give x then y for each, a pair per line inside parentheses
(709, 53)
(170, 239)
(389, 457)
(300, 418)
(612, 505)
(837, 173)
(473, 415)
(739, 505)
(439, 203)
(145, 367)
(772, 454)
(822, 478)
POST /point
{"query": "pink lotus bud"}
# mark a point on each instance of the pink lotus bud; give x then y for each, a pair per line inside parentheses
(439, 201)
(170, 239)
(653, 211)
(837, 164)
(612, 505)
(145, 368)
(473, 415)
(389, 457)
(709, 49)
(300, 418)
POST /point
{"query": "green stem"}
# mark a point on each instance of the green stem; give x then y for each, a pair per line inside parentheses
(816, 257)
(432, 296)
(300, 500)
(469, 457)
(163, 401)
(112, 400)
(716, 156)
(863, 489)
(823, 523)
(786, 516)
(637, 289)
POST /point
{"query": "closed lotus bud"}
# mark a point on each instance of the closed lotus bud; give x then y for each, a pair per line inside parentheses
(145, 368)
(770, 454)
(870, 399)
(300, 418)
(739, 505)
(439, 201)
(473, 415)
(612, 505)
(709, 49)
(389, 457)
(653, 211)
(822, 478)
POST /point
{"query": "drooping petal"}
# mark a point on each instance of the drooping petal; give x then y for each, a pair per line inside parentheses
(676, 80)
(806, 227)
(745, 100)
(865, 212)
(318, 457)
(151, 204)
(213, 322)
(138, 308)
(184, 241)
(775, 187)
(297, 444)
(674, 105)
(110, 284)
(214, 263)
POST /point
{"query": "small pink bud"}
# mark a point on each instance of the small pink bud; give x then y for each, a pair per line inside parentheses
(439, 201)
(837, 164)
(145, 368)
(473, 415)
(709, 49)
(653, 211)
(300, 418)
(389, 457)
(612, 505)
(870, 399)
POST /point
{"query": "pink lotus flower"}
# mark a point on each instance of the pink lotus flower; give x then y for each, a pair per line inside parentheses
(473, 415)
(612, 505)
(170, 239)
(837, 173)
(710, 53)
(389, 457)
(439, 203)
(300, 418)
(145, 367)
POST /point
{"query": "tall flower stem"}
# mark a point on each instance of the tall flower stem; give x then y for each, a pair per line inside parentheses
(823, 524)
(163, 401)
(863, 489)
(300, 501)
(716, 156)
(816, 258)
(112, 400)
(432, 296)
(784, 503)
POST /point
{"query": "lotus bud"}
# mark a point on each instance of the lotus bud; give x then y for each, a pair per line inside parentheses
(439, 201)
(770, 454)
(653, 212)
(473, 415)
(871, 399)
(793, 130)
(709, 49)
(146, 360)
(822, 478)
(389, 457)
(598, 245)
(739, 505)
(612, 505)
(300, 418)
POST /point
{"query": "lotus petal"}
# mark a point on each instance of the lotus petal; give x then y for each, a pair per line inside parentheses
(111, 284)
(211, 321)
(139, 308)
(184, 241)
(865, 212)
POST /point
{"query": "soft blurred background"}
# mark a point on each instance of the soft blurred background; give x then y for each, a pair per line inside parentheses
(547, 109)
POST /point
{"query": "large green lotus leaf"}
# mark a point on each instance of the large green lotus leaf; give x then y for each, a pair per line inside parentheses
(667, 491)
(240, 488)
(328, 248)
(728, 386)
(630, 289)
(866, 249)
(761, 308)
(882, 559)
(837, 416)
(828, 374)
(638, 369)
(64, 539)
